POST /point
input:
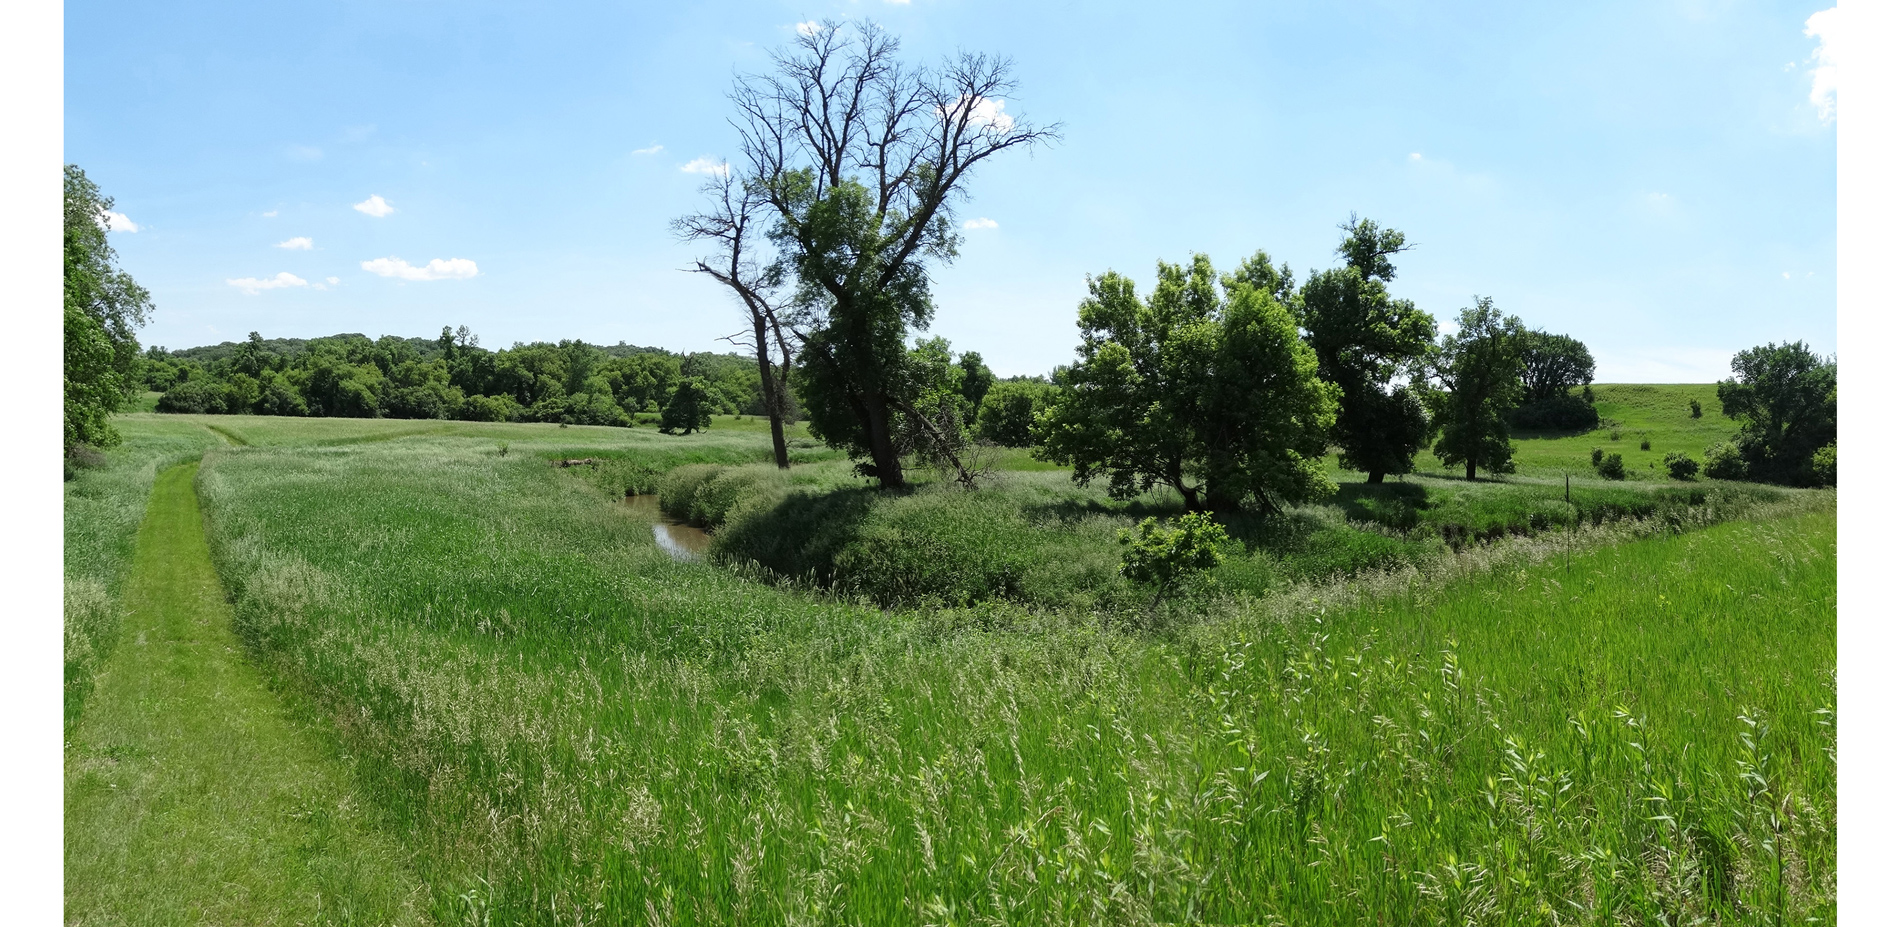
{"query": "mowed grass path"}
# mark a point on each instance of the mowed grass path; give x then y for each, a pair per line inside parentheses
(192, 797)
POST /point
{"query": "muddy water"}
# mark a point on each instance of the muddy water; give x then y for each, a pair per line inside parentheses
(684, 542)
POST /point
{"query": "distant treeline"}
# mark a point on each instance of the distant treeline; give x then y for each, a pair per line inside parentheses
(449, 377)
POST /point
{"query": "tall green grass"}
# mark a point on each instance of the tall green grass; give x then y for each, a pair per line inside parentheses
(103, 508)
(1612, 724)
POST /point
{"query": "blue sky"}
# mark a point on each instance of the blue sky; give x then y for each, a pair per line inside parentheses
(1657, 178)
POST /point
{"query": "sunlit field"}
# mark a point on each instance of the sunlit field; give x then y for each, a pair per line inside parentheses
(1617, 714)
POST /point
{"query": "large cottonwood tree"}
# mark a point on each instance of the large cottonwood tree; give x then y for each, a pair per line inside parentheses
(1480, 368)
(104, 306)
(861, 158)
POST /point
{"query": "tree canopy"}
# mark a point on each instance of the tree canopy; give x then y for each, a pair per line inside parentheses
(104, 308)
(1363, 338)
(1203, 388)
(1480, 368)
(1784, 396)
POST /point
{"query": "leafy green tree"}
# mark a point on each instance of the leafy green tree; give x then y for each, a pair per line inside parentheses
(1784, 396)
(1211, 392)
(1680, 466)
(103, 306)
(1480, 369)
(1008, 414)
(977, 381)
(689, 410)
(859, 157)
(1363, 339)
(1554, 365)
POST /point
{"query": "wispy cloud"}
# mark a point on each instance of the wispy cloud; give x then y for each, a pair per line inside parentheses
(270, 214)
(1415, 156)
(300, 243)
(808, 27)
(655, 148)
(705, 166)
(333, 281)
(374, 206)
(1826, 28)
(117, 222)
(253, 286)
(980, 223)
(438, 269)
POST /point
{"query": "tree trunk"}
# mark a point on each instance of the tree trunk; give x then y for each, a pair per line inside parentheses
(876, 415)
(1471, 470)
(774, 395)
(1375, 477)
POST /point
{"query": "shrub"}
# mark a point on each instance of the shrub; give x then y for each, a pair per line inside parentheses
(1724, 462)
(1695, 408)
(1616, 435)
(1596, 457)
(1162, 558)
(488, 409)
(1559, 413)
(1645, 444)
(1681, 466)
(1824, 463)
(1611, 468)
(194, 397)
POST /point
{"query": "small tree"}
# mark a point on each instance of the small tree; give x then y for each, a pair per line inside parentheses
(1163, 558)
(1695, 408)
(1680, 466)
(1724, 462)
(689, 410)
(1480, 369)
(1611, 467)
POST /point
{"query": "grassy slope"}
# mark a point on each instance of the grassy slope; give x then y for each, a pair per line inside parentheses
(565, 718)
(191, 797)
(1659, 412)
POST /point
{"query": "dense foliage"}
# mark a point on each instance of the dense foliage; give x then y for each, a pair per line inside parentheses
(1479, 368)
(1558, 370)
(1209, 391)
(1009, 409)
(103, 306)
(450, 377)
(1363, 339)
(1784, 397)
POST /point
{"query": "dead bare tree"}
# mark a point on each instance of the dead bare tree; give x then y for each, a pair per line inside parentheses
(734, 224)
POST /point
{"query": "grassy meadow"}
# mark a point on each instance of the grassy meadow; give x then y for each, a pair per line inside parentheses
(1426, 702)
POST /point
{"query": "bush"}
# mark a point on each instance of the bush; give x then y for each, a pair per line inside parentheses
(1695, 408)
(1616, 435)
(1559, 413)
(194, 397)
(1611, 467)
(1645, 444)
(1008, 414)
(1824, 464)
(488, 409)
(1724, 462)
(1681, 466)
(1596, 457)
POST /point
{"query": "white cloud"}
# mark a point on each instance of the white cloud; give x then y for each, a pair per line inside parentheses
(1415, 156)
(333, 281)
(705, 166)
(300, 243)
(374, 206)
(270, 214)
(808, 27)
(117, 222)
(980, 223)
(1784, 275)
(985, 112)
(1826, 27)
(650, 149)
(252, 285)
(438, 269)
